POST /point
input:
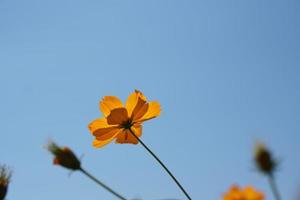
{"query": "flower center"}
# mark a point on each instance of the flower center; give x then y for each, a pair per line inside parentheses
(127, 124)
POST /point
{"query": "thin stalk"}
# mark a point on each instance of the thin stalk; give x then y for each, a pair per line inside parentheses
(274, 187)
(102, 184)
(161, 163)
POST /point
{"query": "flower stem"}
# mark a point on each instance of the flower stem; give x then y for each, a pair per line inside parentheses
(102, 184)
(161, 163)
(274, 187)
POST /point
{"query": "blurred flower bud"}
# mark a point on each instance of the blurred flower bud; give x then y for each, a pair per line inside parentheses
(64, 156)
(264, 159)
(5, 175)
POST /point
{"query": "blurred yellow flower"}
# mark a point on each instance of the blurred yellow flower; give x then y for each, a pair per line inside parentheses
(119, 119)
(248, 193)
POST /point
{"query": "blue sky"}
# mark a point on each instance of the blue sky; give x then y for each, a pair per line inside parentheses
(225, 72)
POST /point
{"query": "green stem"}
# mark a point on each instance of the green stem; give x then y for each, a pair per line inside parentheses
(161, 163)
(102, 184)
(274, 187)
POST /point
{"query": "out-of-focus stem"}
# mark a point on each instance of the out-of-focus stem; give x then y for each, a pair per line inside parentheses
(102, 184)
(274, 187)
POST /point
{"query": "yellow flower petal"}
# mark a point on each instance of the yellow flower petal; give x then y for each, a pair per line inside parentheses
(137, 129)
(248, 193)
(102, 132)
(101, 143)
(126, 137)
(98, 123)
(109, 103)
(104, 139)
(140, 112)
(152, 111)
(105, 135)
(117, 116)
(252, 194)
(134, 102)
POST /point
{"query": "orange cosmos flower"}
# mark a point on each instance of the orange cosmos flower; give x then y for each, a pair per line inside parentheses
(248, 193)
(119, 119)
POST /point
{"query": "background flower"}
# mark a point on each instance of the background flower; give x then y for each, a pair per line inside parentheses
(264, 159)
(64, 156)
(247, 193)
(5, 175)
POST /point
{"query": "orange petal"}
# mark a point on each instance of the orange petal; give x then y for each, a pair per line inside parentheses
(117, 116)
(103, 133)
(139, 112)
(125, 137)
(98, 124)
(152, 112)
(137, 129)
(233, 194)
(134, 102)
(235, 188)
(109, 103)
(105, 139)
(101, 143)
(250, 193)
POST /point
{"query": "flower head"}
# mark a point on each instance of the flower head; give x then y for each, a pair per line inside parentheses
(264, 159)
(64, 156)
(119, 120)
(248, 193)
(5, 174)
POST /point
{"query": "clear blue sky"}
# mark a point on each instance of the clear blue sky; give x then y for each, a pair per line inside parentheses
(225, 72)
